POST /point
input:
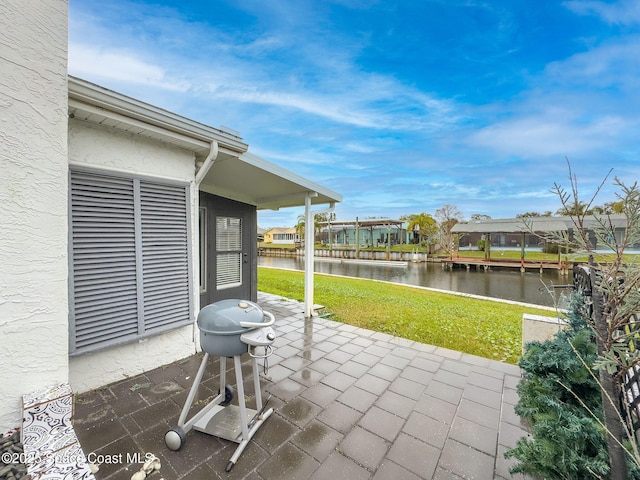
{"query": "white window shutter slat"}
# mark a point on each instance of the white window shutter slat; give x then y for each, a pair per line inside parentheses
(126, 286)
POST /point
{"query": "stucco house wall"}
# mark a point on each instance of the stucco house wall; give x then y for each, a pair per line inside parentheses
(33, 195)
(108, 150)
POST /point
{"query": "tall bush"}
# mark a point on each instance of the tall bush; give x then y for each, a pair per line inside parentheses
(611, 287)
(561, 402)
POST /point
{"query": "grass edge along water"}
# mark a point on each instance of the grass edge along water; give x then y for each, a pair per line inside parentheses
(478, 326)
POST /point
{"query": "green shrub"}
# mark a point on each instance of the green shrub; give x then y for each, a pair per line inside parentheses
(554, 248)
(566, 442)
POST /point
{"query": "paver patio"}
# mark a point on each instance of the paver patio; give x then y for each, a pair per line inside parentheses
(349, 404)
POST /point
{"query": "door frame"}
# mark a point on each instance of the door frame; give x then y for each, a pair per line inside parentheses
(212, 207)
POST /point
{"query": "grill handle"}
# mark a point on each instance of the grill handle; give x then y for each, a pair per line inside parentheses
(271, 321)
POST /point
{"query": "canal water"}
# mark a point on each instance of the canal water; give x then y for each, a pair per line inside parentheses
(530, 287)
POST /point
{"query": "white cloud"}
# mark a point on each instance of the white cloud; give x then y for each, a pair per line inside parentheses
(298, 157)
(456, 189)
(547, 135)
(300, 94)
(92, 62)
(376, 103)
(583, 105)
(357, 147)
(609, 65)
(535, 194)
(323, 106)
(625, 12)
(252, 68)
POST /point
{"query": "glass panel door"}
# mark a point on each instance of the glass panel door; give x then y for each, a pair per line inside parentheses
(228, 252)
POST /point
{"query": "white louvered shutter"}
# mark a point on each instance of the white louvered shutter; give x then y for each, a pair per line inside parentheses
(129, 264)
(165, 265)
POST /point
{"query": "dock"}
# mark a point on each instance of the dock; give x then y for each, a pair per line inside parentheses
(522, 265)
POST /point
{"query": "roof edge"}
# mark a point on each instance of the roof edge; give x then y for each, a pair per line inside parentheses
(109, 100)
(309, 185)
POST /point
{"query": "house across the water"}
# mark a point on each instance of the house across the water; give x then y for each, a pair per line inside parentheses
(281, 236)
(534, 232)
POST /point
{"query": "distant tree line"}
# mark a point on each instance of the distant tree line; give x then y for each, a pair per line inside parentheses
(579, 208)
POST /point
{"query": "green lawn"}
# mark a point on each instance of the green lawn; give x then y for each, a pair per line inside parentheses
(480, 327)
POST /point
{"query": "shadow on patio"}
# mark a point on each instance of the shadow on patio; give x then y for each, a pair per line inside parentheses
(349, 404)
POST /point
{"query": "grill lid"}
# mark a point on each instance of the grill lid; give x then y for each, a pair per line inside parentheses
(224, 317)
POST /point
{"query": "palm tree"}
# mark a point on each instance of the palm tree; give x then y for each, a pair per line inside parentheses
(424, 224)
(300, 226)
(318, 221)
(575, 208)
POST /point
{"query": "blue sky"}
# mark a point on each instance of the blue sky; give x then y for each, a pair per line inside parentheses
(400, 106)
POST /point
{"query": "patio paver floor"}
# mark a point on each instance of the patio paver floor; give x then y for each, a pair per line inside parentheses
(348, 403)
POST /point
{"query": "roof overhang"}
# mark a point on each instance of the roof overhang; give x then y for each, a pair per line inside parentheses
(253, 180)
(235, 173)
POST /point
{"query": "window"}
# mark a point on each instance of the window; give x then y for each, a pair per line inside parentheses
(228, 252)
(129, 259)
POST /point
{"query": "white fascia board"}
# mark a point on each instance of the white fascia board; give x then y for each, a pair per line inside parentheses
(142, 125)
(93, 95)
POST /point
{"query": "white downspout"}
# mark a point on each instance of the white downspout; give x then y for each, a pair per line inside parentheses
(200, 174)
(309, 217)
(208, 163)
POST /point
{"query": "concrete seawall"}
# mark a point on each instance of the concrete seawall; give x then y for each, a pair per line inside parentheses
(349, 254)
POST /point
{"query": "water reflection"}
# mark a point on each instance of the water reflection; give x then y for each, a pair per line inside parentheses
(529, 287)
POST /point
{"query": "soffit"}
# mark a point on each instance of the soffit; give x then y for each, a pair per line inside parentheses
(253, 180)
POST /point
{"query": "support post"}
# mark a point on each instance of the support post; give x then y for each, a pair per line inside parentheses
(388, 246)
(309, 253)
(487, 247)
(357, 239)
(308, 256)
(373, 254)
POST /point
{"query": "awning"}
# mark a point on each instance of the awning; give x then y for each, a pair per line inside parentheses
(253, 180)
